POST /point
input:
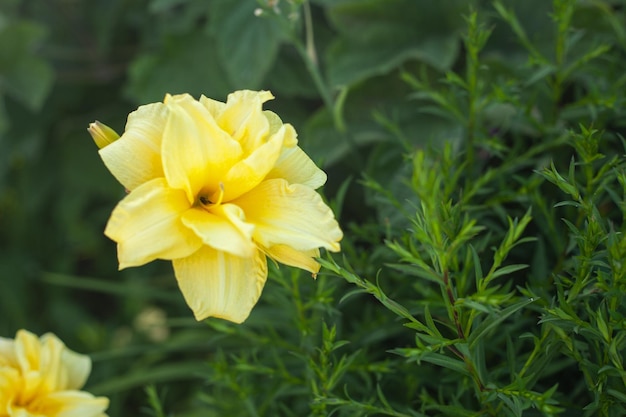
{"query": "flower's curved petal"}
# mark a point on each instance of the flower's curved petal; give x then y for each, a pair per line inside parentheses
(292, 215)
(213, 106)
(135, 157)
(249, 172)
(297, 168)
(300, 259)
(218, 284)
(9, 381)
(51, 372)
(275, 122)
(219, 232)
(146, 225)
(196, 153)
(291, 137)
(7, 352)
(70, 404)
(27, 351)
(77, 367)
(244, 120)
(236, 217)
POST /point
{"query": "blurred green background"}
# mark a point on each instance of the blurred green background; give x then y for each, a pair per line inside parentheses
(339, 72)
(66, 63)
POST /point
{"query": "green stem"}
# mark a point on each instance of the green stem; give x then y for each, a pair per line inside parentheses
(334, 106)
(563, 10)
(309, 56)
(471, 117)
(536, 351)
(454, 315)
(310, 39)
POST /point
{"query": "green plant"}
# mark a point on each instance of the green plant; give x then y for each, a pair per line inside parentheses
(475, 160)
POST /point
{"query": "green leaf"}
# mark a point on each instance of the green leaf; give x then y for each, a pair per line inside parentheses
(478, 270)
(108, 287)
(379, 35)
(369, 20)
(288, 76)
(509, 269)
(430, 322)
(172, 371)
(29, 81)
(18, 39)
(247, 45)
(326, 145)
(494, 320)
(23, 75)
(351, 61)
(186, 64)
(4, 124)
(438, 359)
(165, 5)
(617, 394)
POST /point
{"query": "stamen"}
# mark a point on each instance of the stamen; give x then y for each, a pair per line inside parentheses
(206, 201)
(221, 196)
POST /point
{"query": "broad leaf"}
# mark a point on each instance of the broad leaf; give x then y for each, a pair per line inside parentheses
(186, 65)
(23, 75)
(247, 44)
(379, 35)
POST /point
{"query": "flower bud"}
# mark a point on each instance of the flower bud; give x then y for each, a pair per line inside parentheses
(102, 134)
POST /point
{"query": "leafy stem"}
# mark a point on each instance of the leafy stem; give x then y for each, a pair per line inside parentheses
(308, 53)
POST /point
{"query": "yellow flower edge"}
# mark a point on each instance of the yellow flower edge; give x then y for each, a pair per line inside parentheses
(42, 377)
(217, 188)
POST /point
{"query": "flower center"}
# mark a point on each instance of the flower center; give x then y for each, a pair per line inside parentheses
(208, 200)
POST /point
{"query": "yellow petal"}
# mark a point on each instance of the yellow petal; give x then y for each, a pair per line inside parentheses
(177, 98)
(275, 122)
(196, 152)
(292, 215)
(77, 368)
(59, 368)
(300, 259)
(244, 120)
(7, 352)
(135, 157)
(28, 362)
(70, 404)
(219, 232)
(9, 381)
(213, 106)
(297, 168)
(291, 138)
(147, 225)
(217, 284)
(249, 172)
(27, 351)
(39, 361)
(52, 373)
(236, 216)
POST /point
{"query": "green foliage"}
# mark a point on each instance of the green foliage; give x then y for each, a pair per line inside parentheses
(475, 160)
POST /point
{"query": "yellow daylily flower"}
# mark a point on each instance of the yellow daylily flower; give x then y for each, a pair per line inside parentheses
(216, 188)
(40, 377)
